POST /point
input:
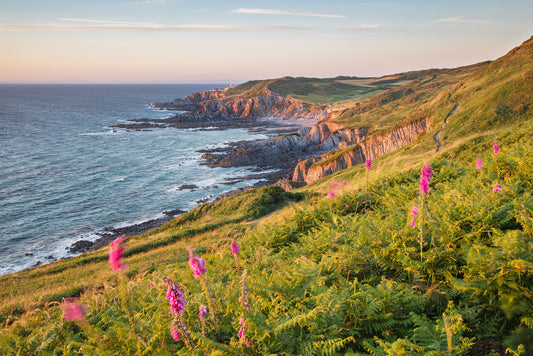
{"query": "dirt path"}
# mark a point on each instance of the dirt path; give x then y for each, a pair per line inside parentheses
(437, 135)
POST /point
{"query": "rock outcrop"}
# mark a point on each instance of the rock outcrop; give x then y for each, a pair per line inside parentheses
(306, 155)
(215, 105)
(371, 147)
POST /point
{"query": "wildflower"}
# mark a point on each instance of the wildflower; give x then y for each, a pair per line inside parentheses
(425, 178)
(203, 311)
(234, 248)
(175, 298)
(479, 163)
(495, 147)
(507, 175)
(331, 194)
(414, 213)
(242, 332)
(344, 183)
(368, 163)
(115, 253)
(175, 334)
(73, 309)
(197, 264)
(496, 188)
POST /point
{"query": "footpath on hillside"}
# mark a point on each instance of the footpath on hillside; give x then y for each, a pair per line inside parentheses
(437, 135)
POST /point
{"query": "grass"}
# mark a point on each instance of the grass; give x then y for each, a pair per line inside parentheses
(339, 274)
(325, 90)
(330, 276)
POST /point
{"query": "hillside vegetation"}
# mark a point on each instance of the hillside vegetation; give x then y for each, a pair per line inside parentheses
(326, 90)
(345, 267)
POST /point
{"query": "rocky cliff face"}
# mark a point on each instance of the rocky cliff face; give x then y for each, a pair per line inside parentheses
(287, 150)
(305, 154)
(214, 105)
(372, 147)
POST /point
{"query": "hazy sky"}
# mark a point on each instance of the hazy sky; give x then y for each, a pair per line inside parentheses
(232, 41)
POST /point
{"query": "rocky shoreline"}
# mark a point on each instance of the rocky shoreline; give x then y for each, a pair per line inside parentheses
(300, 136)
(108, 234)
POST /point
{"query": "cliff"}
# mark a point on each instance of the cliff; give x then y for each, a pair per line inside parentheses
(215, 105)
(283, 152)
(371, 147)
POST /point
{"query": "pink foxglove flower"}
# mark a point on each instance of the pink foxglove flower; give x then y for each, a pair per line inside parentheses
(197, 264)
(425, 178)
(115, 253)
(496, 188)
(414, 213)
(368, 163)
(203, 311)
(175, 298)
(235, 248)
(479, 163)
(73, 309)
(175, 334)
(344, 183)
(495, 147)
(331, 194)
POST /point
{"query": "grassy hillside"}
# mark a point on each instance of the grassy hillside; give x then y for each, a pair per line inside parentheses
(351, 274)
(326, 90)
(421, 98)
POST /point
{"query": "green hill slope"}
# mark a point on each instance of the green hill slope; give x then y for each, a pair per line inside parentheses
(357, 273)
(326, 90)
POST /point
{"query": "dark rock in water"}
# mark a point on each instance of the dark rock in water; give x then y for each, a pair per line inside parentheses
(204, 199)
(174, 212)
(50, 257)
(188, 186)
(80, 246)
(28, 254)
(38, 263)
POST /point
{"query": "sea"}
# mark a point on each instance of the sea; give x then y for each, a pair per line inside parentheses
(67, 174)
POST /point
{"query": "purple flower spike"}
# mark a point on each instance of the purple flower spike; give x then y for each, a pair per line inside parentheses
(496, 188)
(175, 334)
(203, 311)
(175, 298)
(115, 253)
(197, 264)
(479, 163)
(331, 194)
(495, 147)
(425, 178)
(368, 163)
(72, 309)
(235, 248)
(414, 213)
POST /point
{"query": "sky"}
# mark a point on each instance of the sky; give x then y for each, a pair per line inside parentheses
(230, 41)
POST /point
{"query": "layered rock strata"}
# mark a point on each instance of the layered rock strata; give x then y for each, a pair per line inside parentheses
(214, 106)
(377, 144)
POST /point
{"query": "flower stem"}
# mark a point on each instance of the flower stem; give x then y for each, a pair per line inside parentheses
(210, 301)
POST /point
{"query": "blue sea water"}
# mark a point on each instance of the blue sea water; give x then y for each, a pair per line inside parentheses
(65, 174)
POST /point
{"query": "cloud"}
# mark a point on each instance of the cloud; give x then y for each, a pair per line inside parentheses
(363, 27)
(281, 12)
(108, 25)
(463, 20)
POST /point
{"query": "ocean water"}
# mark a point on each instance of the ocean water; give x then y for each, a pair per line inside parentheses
(65, 174)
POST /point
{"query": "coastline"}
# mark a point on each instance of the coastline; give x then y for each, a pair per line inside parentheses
(264, 173)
